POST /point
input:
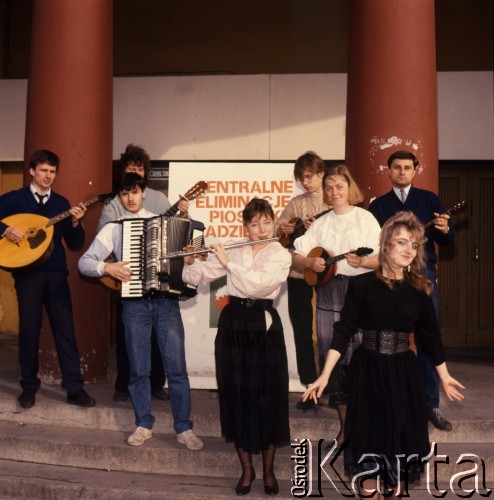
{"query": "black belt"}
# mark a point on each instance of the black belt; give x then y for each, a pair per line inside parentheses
(154, 295)
(339, 276)
(385, 341)
(257, 303)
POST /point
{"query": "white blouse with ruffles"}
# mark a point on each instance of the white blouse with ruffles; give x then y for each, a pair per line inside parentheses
(260, 277)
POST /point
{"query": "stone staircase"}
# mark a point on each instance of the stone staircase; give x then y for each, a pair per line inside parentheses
(58, 451)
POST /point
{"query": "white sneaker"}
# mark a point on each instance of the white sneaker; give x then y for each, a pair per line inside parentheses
(190, 440)
(139, 436)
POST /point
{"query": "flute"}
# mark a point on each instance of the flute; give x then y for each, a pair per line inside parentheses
(184, 253)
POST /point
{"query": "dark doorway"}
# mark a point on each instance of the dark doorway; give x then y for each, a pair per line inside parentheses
(466, 270)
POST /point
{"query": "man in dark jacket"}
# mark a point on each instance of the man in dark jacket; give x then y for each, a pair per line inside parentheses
(46, 284)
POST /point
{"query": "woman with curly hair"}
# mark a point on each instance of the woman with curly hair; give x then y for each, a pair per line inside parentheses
(386, 424)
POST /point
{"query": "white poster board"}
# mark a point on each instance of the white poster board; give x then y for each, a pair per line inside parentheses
(230, 187)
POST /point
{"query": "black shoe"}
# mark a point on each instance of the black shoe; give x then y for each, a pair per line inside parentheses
(81, 398)
(27, 399)
(271, 489)
(306, 405)
(243, 490)
(436, 417)
(160, 394)
(120, 396)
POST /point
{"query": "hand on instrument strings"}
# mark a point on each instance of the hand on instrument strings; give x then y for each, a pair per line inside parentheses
(13, 234)
(183, 206)
(78, 212)
(353, 259)
(287, 228)
(308, 221)
(441, 222)
(219, 250)
(118, 270)
(189, 259)
(316, 264)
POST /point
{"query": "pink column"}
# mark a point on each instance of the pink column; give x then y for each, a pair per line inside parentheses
(392, 96)
(69, 111)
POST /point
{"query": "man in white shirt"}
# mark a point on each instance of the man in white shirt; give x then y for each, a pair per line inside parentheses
(140, 317)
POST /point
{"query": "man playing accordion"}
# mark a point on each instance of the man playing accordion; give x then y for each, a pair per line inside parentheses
(140, 316)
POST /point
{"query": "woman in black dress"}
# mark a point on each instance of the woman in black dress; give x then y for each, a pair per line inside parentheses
(250, 354)
(386, 409)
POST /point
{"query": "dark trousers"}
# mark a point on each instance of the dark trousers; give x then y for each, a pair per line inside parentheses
(301, 317)
(157, 377)
(51, 289)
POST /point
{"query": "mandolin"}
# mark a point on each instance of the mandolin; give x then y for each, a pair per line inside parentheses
(37, 244)
(318, 279)
(287, 240)
(456, 209)
(194, 192)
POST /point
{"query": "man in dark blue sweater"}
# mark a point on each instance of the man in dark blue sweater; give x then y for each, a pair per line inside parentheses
(47, 283)
(402, 167)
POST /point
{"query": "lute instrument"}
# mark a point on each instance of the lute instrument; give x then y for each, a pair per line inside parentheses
(37, 244)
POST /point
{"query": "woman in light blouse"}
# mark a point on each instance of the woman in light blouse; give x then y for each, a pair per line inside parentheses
(250, 354)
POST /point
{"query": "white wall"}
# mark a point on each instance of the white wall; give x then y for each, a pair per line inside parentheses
(13, 95)
(466, 115)
(259, 117)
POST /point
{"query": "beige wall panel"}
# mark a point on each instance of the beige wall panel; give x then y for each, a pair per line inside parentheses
(258, 117)
(12, 119)
(191, 118)
(307, 113)
(466, 118)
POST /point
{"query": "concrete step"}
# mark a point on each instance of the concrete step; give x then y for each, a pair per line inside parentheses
(474, 426)
(35, 482)
(48, 482)
(108, 451)
(28, 481)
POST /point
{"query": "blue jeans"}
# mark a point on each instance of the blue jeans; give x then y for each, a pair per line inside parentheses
(429, 373)
(139, 318)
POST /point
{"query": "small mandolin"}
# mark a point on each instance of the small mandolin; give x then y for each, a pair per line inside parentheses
(287, 240)
(318, 279)
(456, 209)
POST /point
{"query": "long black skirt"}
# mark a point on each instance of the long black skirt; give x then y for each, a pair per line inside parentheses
(252, 377)
(386, 416)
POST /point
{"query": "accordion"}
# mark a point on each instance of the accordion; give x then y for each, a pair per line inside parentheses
(144, 241)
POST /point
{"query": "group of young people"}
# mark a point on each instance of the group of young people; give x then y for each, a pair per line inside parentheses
(402, 168)
(364, 317)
